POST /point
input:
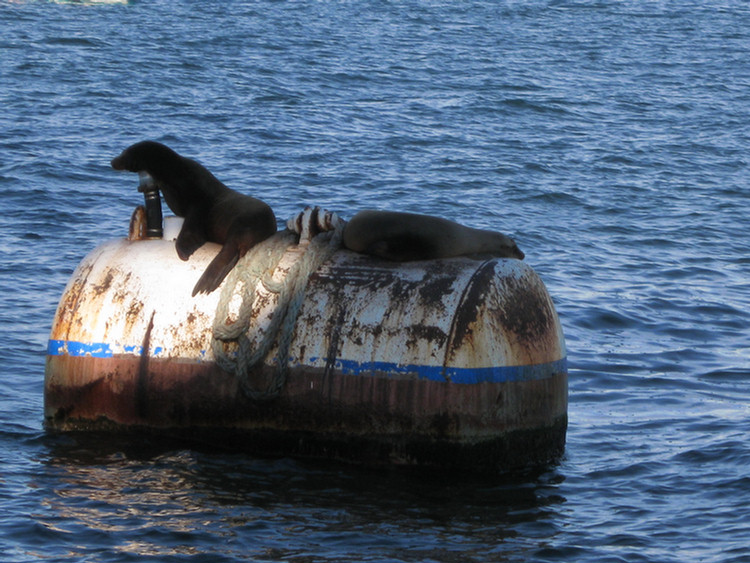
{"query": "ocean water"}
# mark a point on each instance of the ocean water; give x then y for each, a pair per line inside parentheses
(609, 138)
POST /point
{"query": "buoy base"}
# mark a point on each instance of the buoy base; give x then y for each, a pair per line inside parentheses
(365, 420)
(515, 452)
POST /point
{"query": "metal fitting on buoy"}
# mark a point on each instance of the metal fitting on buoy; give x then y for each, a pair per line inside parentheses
(312, 221)
(150, 192)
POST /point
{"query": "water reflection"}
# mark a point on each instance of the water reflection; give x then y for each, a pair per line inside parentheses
(147, 498)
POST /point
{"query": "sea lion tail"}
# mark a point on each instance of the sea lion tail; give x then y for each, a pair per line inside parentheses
(217, 270)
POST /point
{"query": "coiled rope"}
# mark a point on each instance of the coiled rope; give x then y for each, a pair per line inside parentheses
(237, 346)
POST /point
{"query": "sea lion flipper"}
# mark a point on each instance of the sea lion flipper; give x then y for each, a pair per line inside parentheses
(188, 244)
(217, 270)
(191, 236)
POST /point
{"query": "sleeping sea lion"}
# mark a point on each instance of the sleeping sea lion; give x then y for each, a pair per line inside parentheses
(212, 211)
(409, 236)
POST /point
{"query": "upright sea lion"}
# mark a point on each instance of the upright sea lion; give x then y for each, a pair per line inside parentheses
(409, 236)
(212, 211)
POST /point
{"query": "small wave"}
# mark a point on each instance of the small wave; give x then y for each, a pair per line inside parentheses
(552, 107)
(279, 97)
(731, 451)
(72, 41)
(90, 2)
(728, 375)
(601, 319)
(556, 198)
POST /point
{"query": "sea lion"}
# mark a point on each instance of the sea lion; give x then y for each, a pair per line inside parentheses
(212, 211)
(410, 236)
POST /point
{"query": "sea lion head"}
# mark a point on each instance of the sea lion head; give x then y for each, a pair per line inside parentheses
(517, 252)
(145, 155)
(507, 247)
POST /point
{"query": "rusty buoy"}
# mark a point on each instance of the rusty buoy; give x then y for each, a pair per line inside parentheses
(456, 363)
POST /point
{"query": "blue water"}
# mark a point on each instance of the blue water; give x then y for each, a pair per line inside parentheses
(609, 138)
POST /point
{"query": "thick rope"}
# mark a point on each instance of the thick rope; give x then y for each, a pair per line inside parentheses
(237, 346)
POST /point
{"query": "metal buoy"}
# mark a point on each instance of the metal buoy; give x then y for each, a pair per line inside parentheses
(455, 363)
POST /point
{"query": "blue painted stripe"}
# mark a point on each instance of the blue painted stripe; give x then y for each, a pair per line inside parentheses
(469, 376)
(92, 349)
(65, 347)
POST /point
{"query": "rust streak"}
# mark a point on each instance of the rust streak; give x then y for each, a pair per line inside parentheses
(142, 379)
(333, 349)
(468, 308)
(525, 311)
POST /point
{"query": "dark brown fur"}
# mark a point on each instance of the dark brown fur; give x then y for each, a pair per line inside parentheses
(212, 211)
(409, 236)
